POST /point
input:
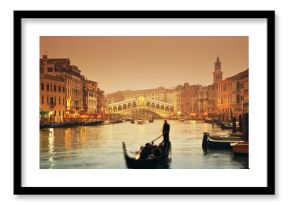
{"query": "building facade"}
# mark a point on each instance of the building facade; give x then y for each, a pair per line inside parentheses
(100, 101)
(69, 92)
(52, 93)
(91, 101)
(233, 95)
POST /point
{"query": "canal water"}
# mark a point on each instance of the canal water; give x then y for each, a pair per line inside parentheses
(100, 147)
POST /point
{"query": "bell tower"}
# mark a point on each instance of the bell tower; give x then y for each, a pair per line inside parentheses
(217, 74)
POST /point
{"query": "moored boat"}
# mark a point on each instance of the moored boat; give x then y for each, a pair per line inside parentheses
(91, 123)
(208, 120)
(240, 147)
(151, 162)
(220, 141)
(226, 125)
(107, 122)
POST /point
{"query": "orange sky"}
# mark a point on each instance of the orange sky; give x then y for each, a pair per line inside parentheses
(133, 62)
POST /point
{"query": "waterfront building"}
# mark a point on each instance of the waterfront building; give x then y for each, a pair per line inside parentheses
(52, 93)
(176, 99)
(74, 88)
(211, 101)
(73, 81)
(233, 95)
(202, 102)
(77, 94)
(100, 101)
(91, 101)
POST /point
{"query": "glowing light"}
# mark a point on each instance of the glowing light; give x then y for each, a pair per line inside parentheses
(68, 103)
(141, 100)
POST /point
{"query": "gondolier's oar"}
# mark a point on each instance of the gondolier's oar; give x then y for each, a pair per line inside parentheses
(157, 138)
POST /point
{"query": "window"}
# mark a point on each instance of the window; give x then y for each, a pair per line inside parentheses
(59, 101)
(42, 99)
(238, 85)
(47, 87)
(47, 100)
(59, 113)
(49, 69)
(238, 98)
(42, 86)
(54, 88)
(63, 89)
(59, 89)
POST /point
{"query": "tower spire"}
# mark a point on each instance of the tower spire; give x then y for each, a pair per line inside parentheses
(217, 74)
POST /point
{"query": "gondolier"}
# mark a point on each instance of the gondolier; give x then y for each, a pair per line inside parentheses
(165, 132)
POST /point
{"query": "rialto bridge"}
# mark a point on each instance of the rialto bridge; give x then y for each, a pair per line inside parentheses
(141, 106)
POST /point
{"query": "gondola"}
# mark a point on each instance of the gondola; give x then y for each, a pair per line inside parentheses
(160, 161)
(220, 141)
(240, 147)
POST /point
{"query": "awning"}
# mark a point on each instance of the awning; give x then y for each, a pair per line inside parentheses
(44, 113)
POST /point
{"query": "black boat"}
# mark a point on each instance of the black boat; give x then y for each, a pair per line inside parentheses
(152, 162)
(91, 123)
(220, 141)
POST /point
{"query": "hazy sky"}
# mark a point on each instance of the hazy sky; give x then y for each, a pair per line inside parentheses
(133, 62)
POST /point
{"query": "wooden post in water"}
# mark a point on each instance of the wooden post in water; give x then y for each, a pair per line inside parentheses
(246, 126)
(234, 125)
(241, 123)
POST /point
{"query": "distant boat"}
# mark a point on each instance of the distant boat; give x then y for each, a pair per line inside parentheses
(107, 122)
(91, 123)
(132, 121)
(208, 120)
(151, 120)
(240, 147)
(140, 122)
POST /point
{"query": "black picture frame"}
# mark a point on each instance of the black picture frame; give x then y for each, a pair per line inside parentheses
(268, 190)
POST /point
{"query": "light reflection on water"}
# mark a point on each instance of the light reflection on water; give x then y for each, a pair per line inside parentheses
(100, 146)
